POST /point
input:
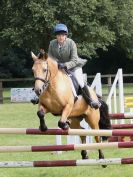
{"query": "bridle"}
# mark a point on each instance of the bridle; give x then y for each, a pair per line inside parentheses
(46, 81)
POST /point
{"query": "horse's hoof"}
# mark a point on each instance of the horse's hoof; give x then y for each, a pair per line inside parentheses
(43, 128)
(85, 158)
(84, 155)
(104, 166)
(63, 125)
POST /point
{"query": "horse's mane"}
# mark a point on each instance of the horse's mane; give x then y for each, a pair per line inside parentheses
(52, 60)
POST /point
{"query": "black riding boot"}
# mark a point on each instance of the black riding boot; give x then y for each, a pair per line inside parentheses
(35, 100)
(88, 99)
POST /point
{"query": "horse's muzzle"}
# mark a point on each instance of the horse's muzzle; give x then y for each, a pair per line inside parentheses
(38, 92)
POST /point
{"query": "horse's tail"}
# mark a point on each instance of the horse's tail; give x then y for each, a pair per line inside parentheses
(104, 122)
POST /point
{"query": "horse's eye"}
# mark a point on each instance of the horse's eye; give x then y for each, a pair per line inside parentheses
(44, 70)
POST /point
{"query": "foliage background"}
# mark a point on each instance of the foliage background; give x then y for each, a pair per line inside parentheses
(102, 29)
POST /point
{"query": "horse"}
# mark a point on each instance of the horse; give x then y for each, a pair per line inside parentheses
(53, 86)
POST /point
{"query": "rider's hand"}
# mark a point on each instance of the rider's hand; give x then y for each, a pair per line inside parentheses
(61, 66)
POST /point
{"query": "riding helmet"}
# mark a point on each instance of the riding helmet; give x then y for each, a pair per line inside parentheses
(60, 28)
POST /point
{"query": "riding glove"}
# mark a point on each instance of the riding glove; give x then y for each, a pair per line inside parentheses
(61, 66)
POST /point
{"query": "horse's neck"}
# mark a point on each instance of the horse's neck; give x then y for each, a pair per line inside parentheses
(59, 90)
(57, 76)
(53, 67)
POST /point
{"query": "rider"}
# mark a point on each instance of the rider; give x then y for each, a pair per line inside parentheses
(64, 51)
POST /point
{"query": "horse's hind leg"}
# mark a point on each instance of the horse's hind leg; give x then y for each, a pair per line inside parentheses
(101, 155)
(84, 152)
(93, 121)
(75, 124)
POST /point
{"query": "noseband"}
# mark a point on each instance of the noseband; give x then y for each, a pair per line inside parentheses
(46, 80)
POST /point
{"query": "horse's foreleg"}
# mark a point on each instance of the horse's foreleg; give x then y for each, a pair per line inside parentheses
(65, 114)
(41, 114)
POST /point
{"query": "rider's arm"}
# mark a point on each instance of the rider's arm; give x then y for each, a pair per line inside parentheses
(74, 59)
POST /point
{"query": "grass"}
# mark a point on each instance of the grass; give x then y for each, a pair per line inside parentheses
(24, 115)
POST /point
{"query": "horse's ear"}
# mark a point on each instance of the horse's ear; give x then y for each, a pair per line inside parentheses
(34, 57)
(45, 56)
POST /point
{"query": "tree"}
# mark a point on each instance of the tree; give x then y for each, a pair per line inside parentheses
(93, 24)
(89, 22)
(14, 63)
(123, 26)
(28, 24)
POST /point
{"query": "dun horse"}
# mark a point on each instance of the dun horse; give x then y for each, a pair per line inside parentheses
(53, 87)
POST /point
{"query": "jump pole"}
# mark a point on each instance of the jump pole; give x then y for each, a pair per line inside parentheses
(121, 115)
(62, 163)
(129, 105)
(80, 132)
(71, 147)
(122, 126)
(128, 99)
(129, 102)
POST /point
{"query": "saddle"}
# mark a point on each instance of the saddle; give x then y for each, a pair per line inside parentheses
(77, 90)
(74, 82)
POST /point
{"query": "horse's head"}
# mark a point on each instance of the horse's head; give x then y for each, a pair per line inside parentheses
(41, 71)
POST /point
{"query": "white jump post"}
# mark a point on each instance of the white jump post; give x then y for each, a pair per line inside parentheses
(112, 97)
(97, 84)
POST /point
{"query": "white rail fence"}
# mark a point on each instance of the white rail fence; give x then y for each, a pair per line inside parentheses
(116, 105)
(112, 98)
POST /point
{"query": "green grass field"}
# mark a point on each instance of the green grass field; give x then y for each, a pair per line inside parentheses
(24, 116)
